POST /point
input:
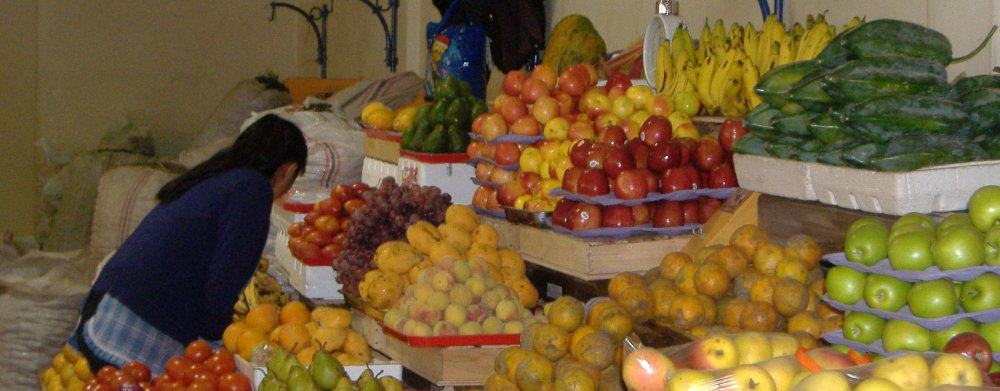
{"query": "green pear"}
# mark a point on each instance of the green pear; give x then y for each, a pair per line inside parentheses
(326, 371)
(367, 382)
(270, 382)
(278, 364)
(390, 383)
(344, 384)
(299, 380)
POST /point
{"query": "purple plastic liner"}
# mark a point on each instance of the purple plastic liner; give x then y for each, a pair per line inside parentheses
(486, 184)
(509, 138)
(511, 167)
(681, 195)
(937, 324)
(884, 268)
(492, 213)
(622, 233)
(837, 337)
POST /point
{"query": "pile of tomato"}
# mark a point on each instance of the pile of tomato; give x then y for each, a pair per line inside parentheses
(321, 236)
(199, 369)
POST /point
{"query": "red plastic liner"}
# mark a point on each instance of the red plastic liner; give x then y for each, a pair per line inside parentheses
(296, 207)
(454, 340)
(317, 261)
(436, 158)
(384, 135)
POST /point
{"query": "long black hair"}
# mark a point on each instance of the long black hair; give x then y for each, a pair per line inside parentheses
(264, 146)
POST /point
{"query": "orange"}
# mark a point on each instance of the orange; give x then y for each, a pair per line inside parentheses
(792, 268)
(566, 313)
(263, 317)
(596, 349)
(525, 291)
(804, 248)
(687, 311)
(711, 311)
(805, 339)
(743, 283)
(295, 312)
(672, 263)
(508, 359)
(685, 279)
(712, 280)
(598, 308)
(758, 316)
(638, 301)
(332, 317)
(806, 322)
(706, 252)
(790, 297)
(748, 238)
(762, 290)
(616, 322)
(294, 337)
(765, 260)
(305, 356)
(232, 334)
(329, 338)
(732, 259)
(248, 341)
(818, 287)
(729, 312)
(663, 293)
(623, 281)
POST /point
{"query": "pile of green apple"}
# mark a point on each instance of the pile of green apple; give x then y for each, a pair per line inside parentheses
(907, 372)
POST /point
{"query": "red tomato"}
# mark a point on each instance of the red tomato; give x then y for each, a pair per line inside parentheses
(106, 373)
(145, 386)
(310, 251)
(352, 205)
(330, 251)
(307, 229)
(175, 385)
(99, 387)
(234, 382)
(176, 367)
(193, 369)
(359, 189)
(345, 224)
(138, 370)
(295, 230)
(221, 362)
(311, 217)
(162, 378)
(328, 224)
(201, 386)
(206, 376)
(340, 239)
(329, 206)
(319, 238)
(121, 378)
(731, 130)
(198, 351)
(341, 192)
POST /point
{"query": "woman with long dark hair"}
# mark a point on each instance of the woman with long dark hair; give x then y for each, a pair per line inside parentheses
(176, 278)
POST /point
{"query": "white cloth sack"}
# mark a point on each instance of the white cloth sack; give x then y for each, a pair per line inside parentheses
(125, 196)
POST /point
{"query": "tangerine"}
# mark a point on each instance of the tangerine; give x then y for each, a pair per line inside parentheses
(792, 268)
(685, 279)
(748, 238)
(263, 317)
(805, 249)
(671, 264)
(766, 259)
(295, 312)
(712, 280)
(623, 281)
(687, 311)
(759, 316)
(732, 259)
(790, 297)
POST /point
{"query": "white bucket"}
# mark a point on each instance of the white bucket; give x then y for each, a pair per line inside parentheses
(659, 29)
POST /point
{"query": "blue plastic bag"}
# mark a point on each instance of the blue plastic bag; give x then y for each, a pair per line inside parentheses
(457, 50)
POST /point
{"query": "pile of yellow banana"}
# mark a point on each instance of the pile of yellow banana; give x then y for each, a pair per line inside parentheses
(723, 69)
(262, 289)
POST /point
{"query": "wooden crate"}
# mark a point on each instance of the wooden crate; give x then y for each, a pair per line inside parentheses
(783, 218)
(446, 367)
(585, 259)
(382, 145)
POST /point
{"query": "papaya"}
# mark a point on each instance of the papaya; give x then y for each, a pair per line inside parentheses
(574, 40)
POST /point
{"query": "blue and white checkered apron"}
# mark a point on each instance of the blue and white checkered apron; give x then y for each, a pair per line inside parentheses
(117, 335)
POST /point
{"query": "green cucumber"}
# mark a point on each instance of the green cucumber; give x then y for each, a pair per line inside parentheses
(867, 78)
(883, 37)
(966, 85)
(775, 86)
(884, 117)
(795, 125)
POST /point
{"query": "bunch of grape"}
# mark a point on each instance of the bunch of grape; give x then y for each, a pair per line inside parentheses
(388, 211)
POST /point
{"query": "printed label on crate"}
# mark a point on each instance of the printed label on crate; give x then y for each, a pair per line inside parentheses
(680, 195)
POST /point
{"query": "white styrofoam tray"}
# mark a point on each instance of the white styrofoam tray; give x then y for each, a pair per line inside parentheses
(313, 282)
(380, 365)
(373, 170)
(451, 178)
(943, 188)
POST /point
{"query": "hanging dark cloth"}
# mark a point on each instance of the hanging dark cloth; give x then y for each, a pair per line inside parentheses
(516, 28)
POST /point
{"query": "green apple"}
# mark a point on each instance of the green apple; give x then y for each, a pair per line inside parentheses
(933, 299)
(902, 335)
(885, 293)
(992, 242)
(845, 285)
(941, 338)
(984, 207)
(959, 248)
(991, 332)
(863, 222)
(981, 293)
(863, 327)
(867, 244)
(907, 228)
(919, 219)
(911, 250)
(954, 220)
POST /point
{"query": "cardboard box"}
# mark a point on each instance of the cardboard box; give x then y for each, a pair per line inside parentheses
(932, 189)
(382, 145)
(589, 260)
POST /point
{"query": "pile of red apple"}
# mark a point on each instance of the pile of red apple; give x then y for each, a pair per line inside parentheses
(581, 216)
(321, 236)
(200, 368)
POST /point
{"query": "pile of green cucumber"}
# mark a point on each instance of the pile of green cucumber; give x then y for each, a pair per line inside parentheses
(877, 98)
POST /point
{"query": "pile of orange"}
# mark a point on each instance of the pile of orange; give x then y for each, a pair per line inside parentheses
(302, 332)
(751, 284)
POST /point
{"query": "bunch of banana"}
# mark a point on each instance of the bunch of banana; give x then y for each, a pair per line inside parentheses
(262, 289)
(726, 64)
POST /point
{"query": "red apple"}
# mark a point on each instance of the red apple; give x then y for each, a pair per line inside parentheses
(617, 216)
(665, 155)
(617, 160)
(631, 185)
(690, 209)
(512, 108)
(620, 81)
(492, 203)
(659, 105)
(722, 176)
(581, 72)
(526, 126)
(571, 179)
(707, 207)
(678, 178)
(640, 213)
(630, 127)
(489, 151)
(493, 126)
(612, 135)
(480, 196)
(689, 145)
(501, 176)
(667, 214)
(545, 109)
(708, 154)
(640, 152)
(533, 90)
(655, 129)
(731, 130)
(698, 180)
(565, 103)
(476, 149)
(562, 212)
(972, 346)
(581, 130)
(545, 73)
(530, 181)
(508, 192)
(652, 182)
(477, 123)
(572, 84)
(593, 182)
(585, 216)
(596, 155)
(513, 81)
(507, 153)
(483, 171)
(578, 152)
(614, 92)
